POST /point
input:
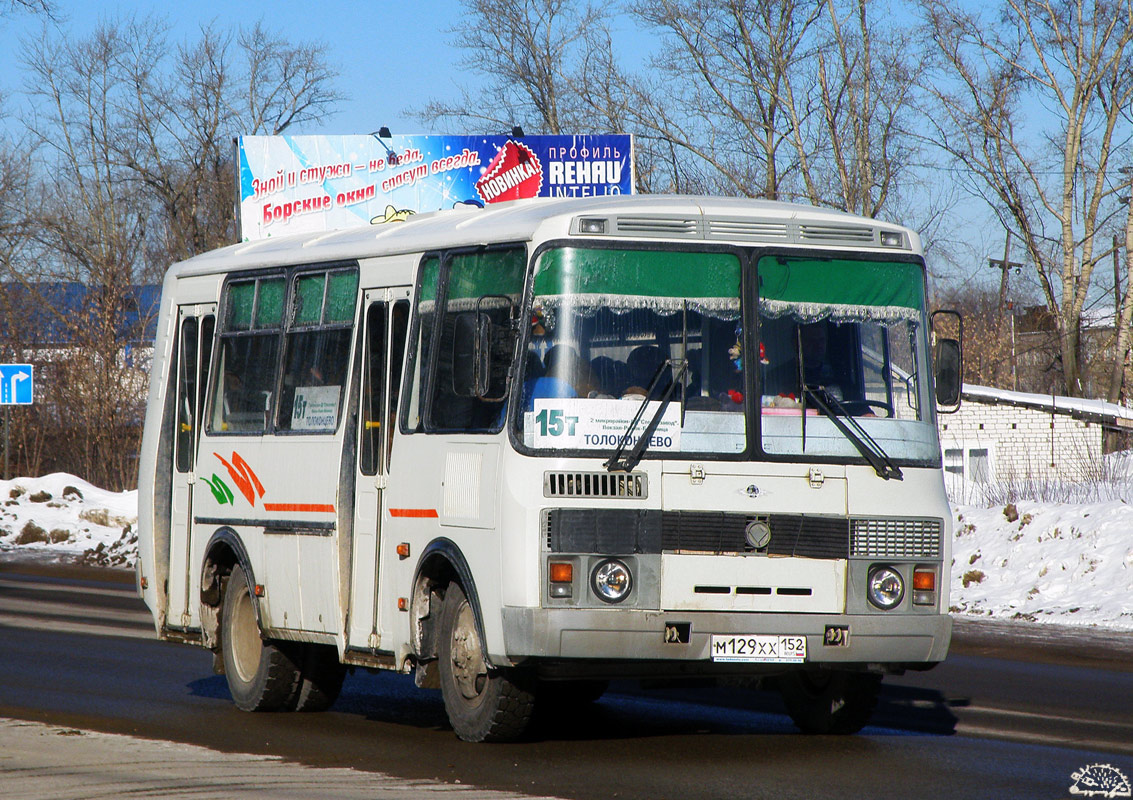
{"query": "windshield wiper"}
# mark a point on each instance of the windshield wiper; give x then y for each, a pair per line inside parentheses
(612, 464)
(872, 452)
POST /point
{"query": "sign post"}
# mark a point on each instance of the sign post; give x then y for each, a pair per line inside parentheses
(15, 390)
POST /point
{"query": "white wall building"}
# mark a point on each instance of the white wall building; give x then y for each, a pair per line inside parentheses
(1000, 436)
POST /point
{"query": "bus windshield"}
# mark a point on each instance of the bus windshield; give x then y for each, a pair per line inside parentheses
(613, 330)
(845, 336)
(609, 325)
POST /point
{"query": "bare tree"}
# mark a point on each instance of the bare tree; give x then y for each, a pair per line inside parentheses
(33, 6)
(529, 52)
(1029, 103)
(189, 102)
(90, 231)
(132, 168)
(787, 99)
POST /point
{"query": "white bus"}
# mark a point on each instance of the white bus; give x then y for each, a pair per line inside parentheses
(523, 450)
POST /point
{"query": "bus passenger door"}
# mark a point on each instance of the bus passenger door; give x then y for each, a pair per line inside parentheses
(387, 321)
(195, 326)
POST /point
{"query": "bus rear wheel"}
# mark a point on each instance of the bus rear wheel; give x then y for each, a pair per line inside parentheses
(261, 675)
(484, 704)
(825, 701)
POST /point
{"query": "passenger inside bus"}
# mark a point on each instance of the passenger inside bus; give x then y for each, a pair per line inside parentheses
(817, 369)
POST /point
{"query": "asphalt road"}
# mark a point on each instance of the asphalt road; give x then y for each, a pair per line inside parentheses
(1014, 712)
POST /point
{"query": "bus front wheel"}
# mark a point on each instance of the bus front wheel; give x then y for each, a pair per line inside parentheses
(483, 703)
(830, 701)
(261, 676)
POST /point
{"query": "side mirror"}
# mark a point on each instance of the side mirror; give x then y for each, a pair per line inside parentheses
(482, 351)
(948, 359)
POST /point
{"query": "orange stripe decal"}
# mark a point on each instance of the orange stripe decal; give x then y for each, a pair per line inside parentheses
(420, 513)
(321, 508)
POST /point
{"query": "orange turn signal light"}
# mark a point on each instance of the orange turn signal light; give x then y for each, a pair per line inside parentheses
(562, 572)
(924, 580)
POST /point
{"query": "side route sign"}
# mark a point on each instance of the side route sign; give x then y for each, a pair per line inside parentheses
(15, 384)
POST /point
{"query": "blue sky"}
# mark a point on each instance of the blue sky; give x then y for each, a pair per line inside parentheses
(391, 56)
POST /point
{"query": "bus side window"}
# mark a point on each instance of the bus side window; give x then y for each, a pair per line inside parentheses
(489, 282)
(398, 338)
(249, 341)
(320, 324)
(186, 394)
(373, 389)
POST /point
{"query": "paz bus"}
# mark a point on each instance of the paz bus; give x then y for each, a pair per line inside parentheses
(523, 450)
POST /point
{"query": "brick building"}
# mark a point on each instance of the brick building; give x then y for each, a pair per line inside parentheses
(1000, 436)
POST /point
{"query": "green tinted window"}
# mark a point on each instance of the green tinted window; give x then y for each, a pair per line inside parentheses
(429, 273)
(241, 297)
(474, 275)
(625, 278)
(856, 288)
(309, 299)
(341, 293)
(269, 306)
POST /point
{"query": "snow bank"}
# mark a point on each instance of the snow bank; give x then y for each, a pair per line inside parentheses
(1069, 563)
(63, 516)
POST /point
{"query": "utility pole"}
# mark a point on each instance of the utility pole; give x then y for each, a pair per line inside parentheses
(1005, 266)
(1116, 281)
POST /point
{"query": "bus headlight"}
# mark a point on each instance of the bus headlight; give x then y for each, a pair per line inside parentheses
(885, 588)
(611, 581)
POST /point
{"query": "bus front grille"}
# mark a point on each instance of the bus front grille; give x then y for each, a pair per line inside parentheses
(596, 484)
(624, 531)
(896, 538)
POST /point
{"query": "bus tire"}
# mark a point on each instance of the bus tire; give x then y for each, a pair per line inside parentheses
(261, 675)
(825, 701)
(321, 681)
(484, 704)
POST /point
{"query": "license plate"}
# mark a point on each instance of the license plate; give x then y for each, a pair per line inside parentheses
(759, 649)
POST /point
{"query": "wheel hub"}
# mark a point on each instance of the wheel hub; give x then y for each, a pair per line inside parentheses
(468, 667)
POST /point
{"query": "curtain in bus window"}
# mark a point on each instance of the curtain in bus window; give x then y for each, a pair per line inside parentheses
(624, 280)
(840, 290)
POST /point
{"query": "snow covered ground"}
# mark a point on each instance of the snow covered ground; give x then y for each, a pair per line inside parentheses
(65, 517)
(1061, 562)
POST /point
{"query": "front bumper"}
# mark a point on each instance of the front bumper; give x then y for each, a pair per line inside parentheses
(622, 634)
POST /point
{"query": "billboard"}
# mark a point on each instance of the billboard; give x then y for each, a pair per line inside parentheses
(310, 184)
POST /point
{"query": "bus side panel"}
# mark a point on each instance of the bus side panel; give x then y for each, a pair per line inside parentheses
(155, 467)
(284, 491)
(444, 486)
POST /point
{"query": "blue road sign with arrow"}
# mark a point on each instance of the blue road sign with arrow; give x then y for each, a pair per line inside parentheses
(15, 385)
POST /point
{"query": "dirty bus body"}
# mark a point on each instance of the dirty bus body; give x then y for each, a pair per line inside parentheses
(526, 449)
